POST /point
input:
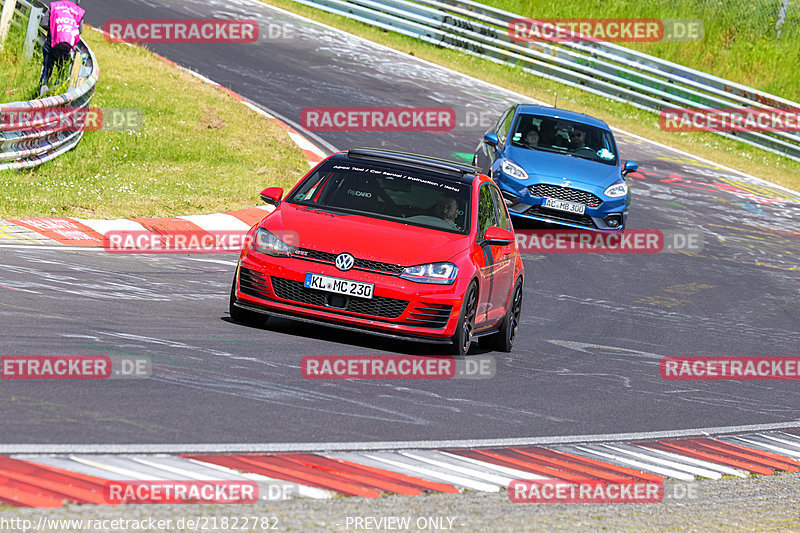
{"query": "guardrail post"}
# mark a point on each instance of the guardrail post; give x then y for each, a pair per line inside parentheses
(781, 17)
(34, 19)
(77, 63)
(5, 20)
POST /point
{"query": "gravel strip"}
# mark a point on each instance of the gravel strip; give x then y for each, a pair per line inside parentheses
(762, 503)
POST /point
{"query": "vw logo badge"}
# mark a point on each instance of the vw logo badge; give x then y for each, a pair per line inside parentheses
(345, 261)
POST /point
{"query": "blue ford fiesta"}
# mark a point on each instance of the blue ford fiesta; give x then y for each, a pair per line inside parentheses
(557, 166)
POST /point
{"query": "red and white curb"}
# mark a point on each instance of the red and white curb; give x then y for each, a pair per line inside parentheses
(47, 481)
(87, 233)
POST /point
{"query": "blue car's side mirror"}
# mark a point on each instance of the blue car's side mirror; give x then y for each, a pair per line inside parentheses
(630, 166)
(491, 139)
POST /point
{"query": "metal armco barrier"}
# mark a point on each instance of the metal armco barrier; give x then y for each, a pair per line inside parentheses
(35, 143)
(602, 68)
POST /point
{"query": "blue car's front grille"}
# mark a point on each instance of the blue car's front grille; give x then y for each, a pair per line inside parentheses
(561, 216)
(543, 190)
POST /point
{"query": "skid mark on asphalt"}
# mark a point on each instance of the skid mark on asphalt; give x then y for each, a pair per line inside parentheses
(216, 374)
(678, 323)
(107, 284)
(43, 412)
(245, 386)
(714, 396)
(298, 398)
(684, 289)
(481, 409)
(597, 349)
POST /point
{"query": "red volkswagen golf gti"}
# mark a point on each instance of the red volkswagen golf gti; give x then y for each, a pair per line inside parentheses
(393, 244)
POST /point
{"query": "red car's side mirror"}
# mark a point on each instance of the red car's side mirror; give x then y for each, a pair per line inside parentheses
(498, 236)
(272, 195)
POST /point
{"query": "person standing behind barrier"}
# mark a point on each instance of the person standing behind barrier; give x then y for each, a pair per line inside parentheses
(64, 23)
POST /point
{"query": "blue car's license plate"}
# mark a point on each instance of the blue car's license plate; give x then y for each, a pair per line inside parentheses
(564, 205)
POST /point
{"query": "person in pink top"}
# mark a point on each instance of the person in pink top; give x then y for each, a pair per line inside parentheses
(64, 23)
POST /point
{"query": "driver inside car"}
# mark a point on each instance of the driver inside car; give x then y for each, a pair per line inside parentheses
(577, 139)
(447, 210)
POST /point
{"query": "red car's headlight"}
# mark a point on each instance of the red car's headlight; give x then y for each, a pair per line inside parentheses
(267, 243)
(439, 273)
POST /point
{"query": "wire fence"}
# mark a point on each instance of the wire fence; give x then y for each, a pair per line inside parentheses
(770, 17)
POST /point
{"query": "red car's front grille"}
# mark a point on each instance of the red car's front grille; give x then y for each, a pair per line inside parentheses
(430, 315)
(360, 264)
(377, 306)
(254, 283)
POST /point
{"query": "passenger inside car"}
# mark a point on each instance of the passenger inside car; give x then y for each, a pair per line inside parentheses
(532, 137)
(548, 136)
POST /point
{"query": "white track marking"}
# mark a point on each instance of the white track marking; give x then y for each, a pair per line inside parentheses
(389, 445)
(655, 458)
(516, 474)
(641, 465)
(449, 463)
(699, 462)
(217, 222)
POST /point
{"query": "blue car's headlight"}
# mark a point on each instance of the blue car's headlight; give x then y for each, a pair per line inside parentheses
(440, 273)
(513, 170)
(267, 243)
(620, 188)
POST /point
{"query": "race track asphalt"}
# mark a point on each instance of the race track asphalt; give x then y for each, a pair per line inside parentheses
(594, 326)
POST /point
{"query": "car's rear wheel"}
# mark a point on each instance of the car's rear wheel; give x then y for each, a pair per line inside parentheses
(243, 316)
(503, 340)
(466, 323)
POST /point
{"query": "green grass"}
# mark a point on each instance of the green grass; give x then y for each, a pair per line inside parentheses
(197, 151)
(723, 151)
(19, 79)
(739, 44)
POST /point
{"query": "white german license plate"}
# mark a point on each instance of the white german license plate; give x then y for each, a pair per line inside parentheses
(563, 205)
(339, 286)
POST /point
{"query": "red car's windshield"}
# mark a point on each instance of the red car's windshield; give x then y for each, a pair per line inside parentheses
(390, 193)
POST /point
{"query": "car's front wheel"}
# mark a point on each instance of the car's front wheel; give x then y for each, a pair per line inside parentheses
(503, 340)
(466, 323)
(243, 316)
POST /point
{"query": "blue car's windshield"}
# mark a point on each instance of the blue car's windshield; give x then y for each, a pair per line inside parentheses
(565, 137)
(401, 194)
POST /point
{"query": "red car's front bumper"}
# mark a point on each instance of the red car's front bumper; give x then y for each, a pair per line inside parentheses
(398, 308)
